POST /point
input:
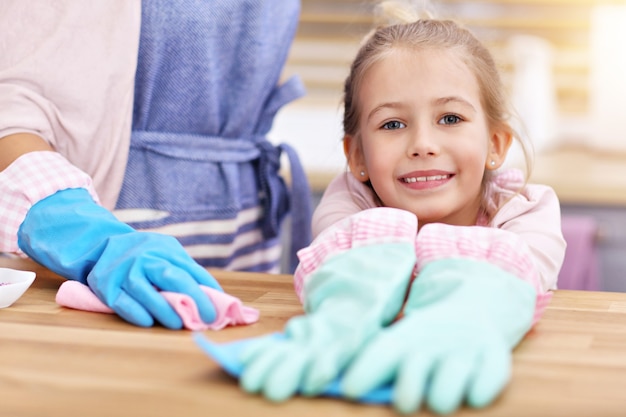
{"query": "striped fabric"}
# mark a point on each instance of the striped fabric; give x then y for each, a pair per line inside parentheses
(29, 179)
(236, 250)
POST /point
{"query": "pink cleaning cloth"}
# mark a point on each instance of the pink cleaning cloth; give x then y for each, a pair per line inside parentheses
(230, 310)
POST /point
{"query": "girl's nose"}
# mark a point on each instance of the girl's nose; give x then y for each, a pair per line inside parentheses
(422, 143)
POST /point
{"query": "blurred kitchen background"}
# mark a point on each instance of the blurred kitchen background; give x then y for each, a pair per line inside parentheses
(564, 65)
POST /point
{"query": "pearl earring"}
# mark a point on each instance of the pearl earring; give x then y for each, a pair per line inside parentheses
(493, 163)
(362, 173)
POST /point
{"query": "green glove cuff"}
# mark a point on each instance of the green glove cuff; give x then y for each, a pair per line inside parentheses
(370, 280)
(504, 299)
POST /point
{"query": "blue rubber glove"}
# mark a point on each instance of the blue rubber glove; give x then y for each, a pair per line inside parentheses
(347, 301)
(461, 320)
(76, 238)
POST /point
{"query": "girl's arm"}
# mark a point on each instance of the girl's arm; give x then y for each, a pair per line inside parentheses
(343, 197)
(501, 249)
(534, 215)
(366, 228)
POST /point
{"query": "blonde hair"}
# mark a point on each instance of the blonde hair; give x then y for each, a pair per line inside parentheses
(406, 28)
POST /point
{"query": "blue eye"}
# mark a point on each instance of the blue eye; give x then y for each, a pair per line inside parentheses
(449, 119)
(393, 125)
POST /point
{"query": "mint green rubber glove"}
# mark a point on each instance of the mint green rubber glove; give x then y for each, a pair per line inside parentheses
(461, 320)
(348, 300)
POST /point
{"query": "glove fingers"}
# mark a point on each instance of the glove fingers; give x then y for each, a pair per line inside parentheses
(411, 383)
(332, 360)
(258, 346)
(451, 380)
(170, 278)
(375, 366)
(169, 249)
(149, 298)
(284, 380)
(199, 273)
(258, 368)
(130, 310)
(324, 369)
(491, 377)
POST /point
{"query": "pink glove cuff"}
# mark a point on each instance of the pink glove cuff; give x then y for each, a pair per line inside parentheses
(369, 227)
(503, 249)
(29, 179)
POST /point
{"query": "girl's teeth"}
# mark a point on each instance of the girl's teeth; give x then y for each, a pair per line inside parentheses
(429, 178)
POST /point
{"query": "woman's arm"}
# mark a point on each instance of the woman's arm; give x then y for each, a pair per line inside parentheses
(69, 80)
(16, 145)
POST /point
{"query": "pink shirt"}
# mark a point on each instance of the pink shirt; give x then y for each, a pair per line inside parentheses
(532, 214)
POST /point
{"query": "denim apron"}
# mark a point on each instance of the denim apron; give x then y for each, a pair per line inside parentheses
(206, 93)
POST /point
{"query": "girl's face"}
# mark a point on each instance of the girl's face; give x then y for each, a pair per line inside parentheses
(424, 138)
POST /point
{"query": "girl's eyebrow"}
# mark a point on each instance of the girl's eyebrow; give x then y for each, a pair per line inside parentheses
(455, 99)
(438, 101)
(390, 105)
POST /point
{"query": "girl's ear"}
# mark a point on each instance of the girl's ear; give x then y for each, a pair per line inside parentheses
(354, 156)
(499, 145)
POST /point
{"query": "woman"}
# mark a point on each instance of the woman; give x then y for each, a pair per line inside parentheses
(158, 110)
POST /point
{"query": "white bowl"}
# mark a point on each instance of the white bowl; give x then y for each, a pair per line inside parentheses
(13, 284)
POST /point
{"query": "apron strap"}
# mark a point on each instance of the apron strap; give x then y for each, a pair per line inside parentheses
(301, 207)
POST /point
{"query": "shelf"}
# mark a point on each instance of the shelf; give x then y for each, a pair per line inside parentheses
(330, 32)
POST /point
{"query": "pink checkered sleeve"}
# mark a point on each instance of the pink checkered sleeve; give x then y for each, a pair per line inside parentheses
(501, 248)
(373, 226)
(29, 179)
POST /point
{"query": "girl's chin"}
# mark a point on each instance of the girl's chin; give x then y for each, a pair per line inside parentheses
(438, 217)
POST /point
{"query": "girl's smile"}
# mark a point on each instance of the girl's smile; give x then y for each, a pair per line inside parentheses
(426, 180)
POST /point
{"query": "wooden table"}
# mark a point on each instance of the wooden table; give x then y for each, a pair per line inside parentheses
(60, 362)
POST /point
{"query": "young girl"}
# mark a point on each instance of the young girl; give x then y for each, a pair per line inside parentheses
(442, 162)
(424, 225)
